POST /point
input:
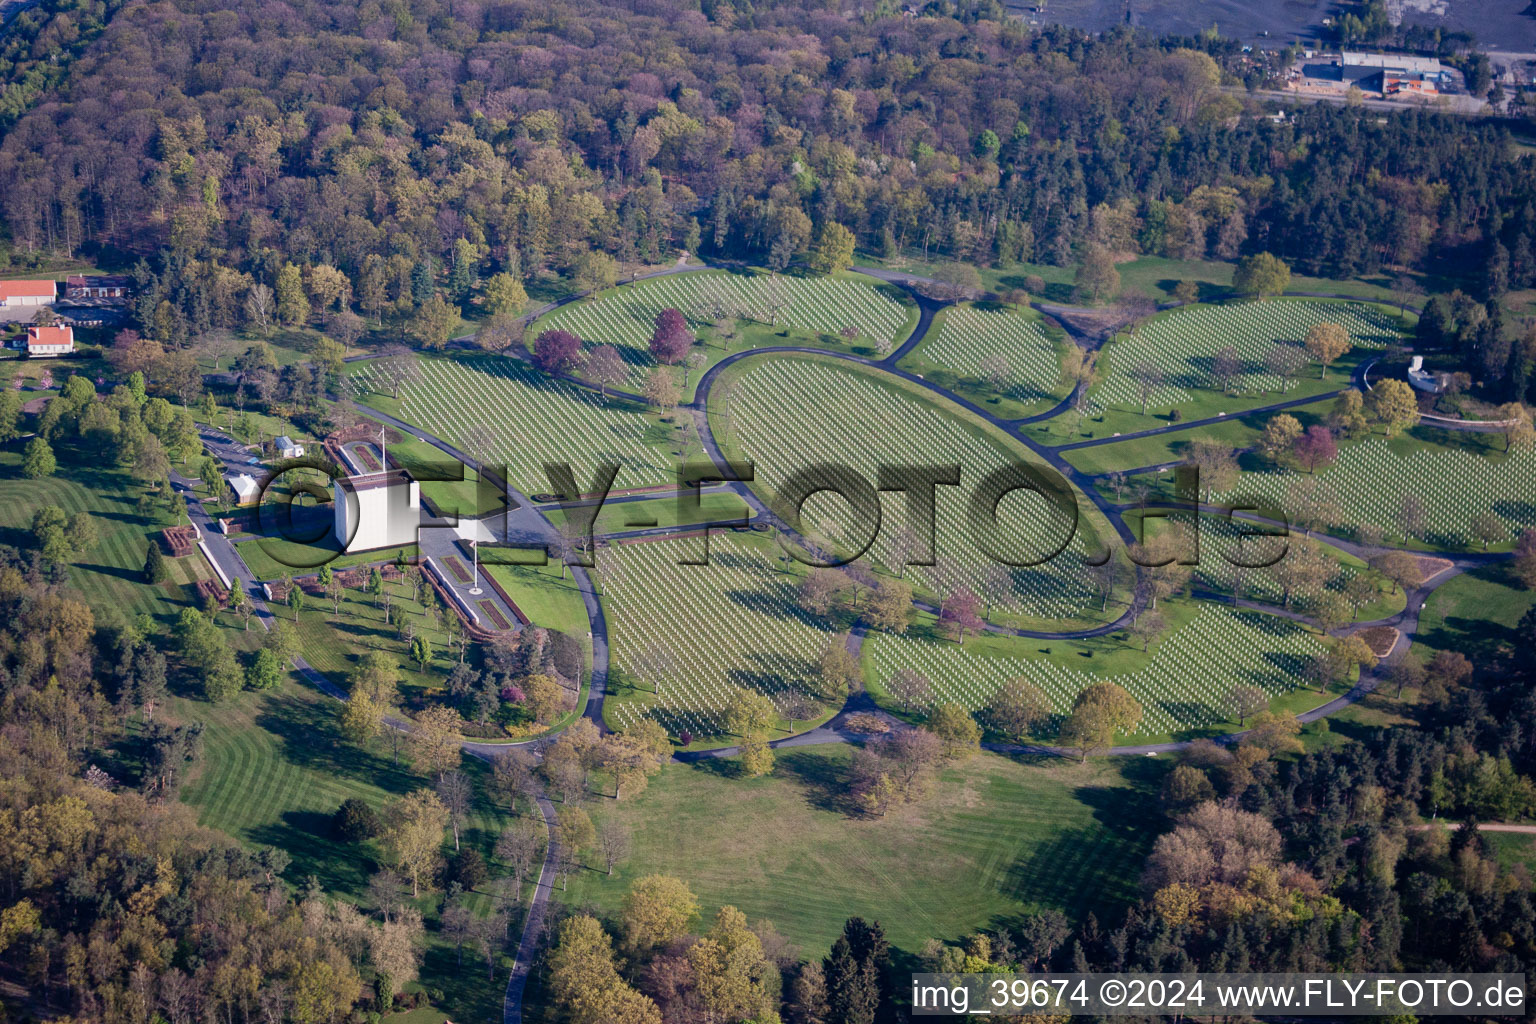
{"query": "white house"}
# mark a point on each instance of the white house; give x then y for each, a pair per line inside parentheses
(246, 489)
(376, 510)
(27, 293)
(287, 448)
(50, 341)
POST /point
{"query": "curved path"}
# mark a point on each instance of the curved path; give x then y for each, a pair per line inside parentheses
(527, 523)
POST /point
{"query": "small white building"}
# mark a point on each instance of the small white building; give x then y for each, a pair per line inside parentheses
(27, 293)
(288, 448)
(246, 489)
(376, 510)
(58, 340)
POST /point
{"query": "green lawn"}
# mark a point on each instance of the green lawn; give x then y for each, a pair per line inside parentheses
(110, 575)
(1236, 431)
(271, 558)
(992, 839)
(333, 643)
(548, 597)
(274, 769)
(1514, 850)
(1475, 613)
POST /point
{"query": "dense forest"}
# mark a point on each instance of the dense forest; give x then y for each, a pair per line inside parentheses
(514, 136)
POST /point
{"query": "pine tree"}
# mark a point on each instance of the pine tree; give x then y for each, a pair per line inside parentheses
(155, 570)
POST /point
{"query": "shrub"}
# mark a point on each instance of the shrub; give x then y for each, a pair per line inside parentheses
(563, 654)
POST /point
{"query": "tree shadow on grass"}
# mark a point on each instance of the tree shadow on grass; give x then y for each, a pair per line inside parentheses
(304, 836)
(822, 779)
(310, 739)
(1076, 871)
(116, 572)
(1479, 639)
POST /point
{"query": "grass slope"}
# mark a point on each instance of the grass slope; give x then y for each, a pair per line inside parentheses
(275, 768)
(992, 839)
(109, 575)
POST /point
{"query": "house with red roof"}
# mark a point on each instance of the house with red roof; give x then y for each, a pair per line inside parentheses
(50, 341)
(27, 293)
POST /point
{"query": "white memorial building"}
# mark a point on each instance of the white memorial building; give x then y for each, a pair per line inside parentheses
(376, 510)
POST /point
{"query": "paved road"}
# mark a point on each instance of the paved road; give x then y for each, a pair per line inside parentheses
(533, 924)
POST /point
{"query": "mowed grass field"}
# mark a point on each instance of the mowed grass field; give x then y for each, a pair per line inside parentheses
(1475, 613)
(333, 643)
(275, 768)
(110, 575)
(992, 839)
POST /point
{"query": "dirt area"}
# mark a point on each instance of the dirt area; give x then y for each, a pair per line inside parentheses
(1380, 639)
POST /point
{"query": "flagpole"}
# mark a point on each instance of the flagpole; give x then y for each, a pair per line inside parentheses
(474, 547)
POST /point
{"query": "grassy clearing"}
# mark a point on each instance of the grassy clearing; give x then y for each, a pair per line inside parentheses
(272, 558)
(275, 768)
(1475, 613)
(547, 597)
(332, 643)
(1379, 710)
(110, 575)
(994, 838)
(1514, 850)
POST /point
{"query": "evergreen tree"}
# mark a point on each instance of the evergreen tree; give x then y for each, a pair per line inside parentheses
(155, 570)
(857, 973)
